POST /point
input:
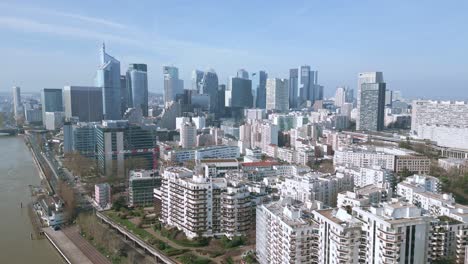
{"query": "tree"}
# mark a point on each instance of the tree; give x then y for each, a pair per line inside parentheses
(67, 194)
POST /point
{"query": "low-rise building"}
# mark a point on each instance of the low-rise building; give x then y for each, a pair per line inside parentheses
(102, 195)
(141, 186)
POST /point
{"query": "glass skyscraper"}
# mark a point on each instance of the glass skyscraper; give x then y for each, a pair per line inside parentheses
(84, 102)
(108, 77)
(137, 85)
(172, 84)
(259, 88)
(52, 101)
(293, 86)
(209, 86)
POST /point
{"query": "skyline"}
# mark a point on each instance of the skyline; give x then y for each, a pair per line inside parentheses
(420, 54)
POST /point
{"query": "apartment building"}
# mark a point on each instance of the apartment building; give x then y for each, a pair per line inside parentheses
(285, 233)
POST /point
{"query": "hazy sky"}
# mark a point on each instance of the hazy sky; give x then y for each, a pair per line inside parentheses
(421, 46)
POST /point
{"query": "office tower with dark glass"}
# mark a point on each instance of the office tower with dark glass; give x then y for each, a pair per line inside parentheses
(124, 95)
(239, 92)
(173, 86)
(137, 85)
(209, 86)
(259, 88)
(197, 77)
(371, 97)
(309, 89)
(108, 77)
(293, 86)
(83, 102)
(374, 101)
(52, 100)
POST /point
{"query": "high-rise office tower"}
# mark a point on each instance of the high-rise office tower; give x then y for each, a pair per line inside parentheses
(108, 77)
(137, 84)
(366, 77)
(293, 86)
(52, 100)
(173, 86)
(197, 77)
(17, 101)
(124, 95)
(221, 99)
(277, 94)
(309, 89)
(239, 93)
(371, 109)
(209, 86)
(83, 102)
(241, 73)
(349, 95)
(259, 88)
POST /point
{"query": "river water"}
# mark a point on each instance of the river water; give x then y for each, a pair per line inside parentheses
(17, 171)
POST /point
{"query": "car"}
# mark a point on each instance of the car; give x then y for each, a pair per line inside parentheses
(56, 228)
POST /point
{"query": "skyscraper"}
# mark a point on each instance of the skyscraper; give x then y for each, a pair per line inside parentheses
(239, 93)
(372, 107)
(277, 94)
(52, 100)
(197, 77)
(340, 96)
(309, 88)
(259, 88)
(188, 135)
(108, 77)
(84, 102)
(137, 85)
(172, 84)
(293, 86)
(209, 86)
(241, 73)
(366, 77)
(17, 101)
(125, 95)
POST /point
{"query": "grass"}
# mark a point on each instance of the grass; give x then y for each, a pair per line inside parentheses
(189, 258)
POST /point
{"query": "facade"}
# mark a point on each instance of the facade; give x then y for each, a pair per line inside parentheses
(141, 185)
(54, 120)
(197, 77)
(84, 139)
(220, 152)
(33, 116)
(102, 195)
(173, 86)
(309, 88)
(83, 102)
(52, 101)
(259, 88)
(67, 137)
(137, 85)
(371, 109)
(277, 94)
(108, 78)
(444, 122)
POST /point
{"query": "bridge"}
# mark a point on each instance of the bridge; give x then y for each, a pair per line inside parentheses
(158, 255)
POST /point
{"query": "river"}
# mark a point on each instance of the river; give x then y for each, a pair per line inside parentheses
(17, 171)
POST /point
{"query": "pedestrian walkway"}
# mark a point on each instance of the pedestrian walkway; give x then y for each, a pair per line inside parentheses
(66, 247)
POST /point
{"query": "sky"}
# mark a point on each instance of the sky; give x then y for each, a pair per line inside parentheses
(421, 46)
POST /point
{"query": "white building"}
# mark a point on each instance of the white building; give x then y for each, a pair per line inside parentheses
(102, 195)
(188, 135)
(445, 122)
(54, 120)
(285, 233)
(277, 94)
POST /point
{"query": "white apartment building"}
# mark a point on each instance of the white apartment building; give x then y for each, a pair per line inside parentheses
(188, 135)
(285, 233)
(315, 186)
(339, 236)
(218, 167)
(445, 122)
(222, 152)
(206, 206)
(394, 232)
(364, 196)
